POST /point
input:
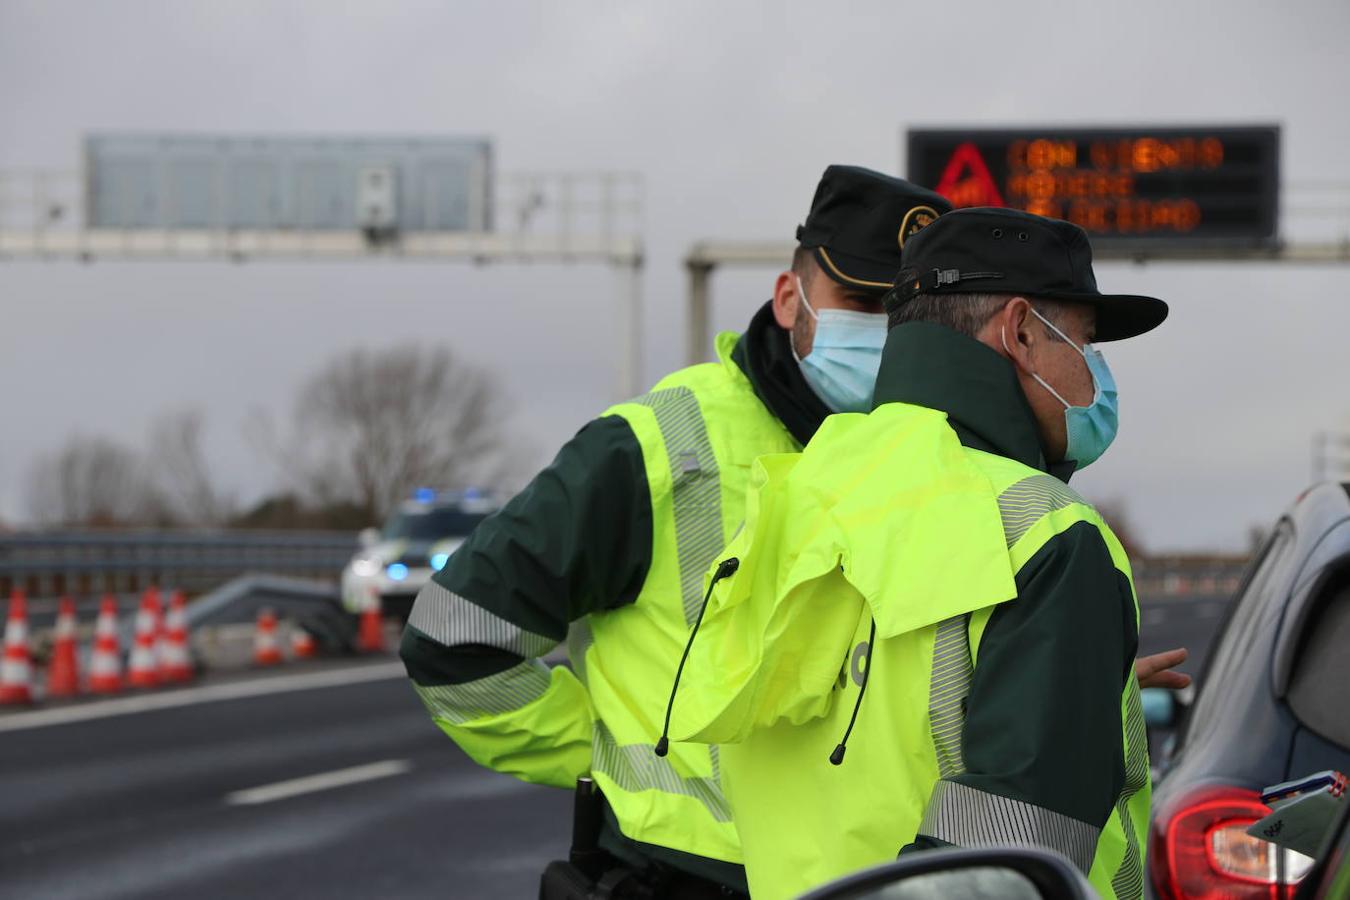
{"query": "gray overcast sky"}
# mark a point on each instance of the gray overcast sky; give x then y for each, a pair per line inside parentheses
(730, 111)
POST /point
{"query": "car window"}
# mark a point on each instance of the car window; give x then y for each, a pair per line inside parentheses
(431, 525)
(1243, 625)
(1317, 690)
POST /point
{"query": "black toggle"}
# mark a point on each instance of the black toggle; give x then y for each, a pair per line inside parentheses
(837, 757)
(725, 568)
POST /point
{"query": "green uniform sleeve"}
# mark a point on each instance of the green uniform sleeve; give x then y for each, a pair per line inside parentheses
(1042, 743)
(577, 540)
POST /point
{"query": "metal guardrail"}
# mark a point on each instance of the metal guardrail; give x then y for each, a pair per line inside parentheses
(1159, 578)
(83, 563)
(87, 563)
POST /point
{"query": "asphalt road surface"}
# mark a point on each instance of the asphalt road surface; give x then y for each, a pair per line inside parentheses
(149, 804)
(1187, 623)
(332, 790)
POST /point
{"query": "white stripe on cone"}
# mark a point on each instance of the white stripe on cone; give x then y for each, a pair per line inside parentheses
(16, 667)
(105, 667)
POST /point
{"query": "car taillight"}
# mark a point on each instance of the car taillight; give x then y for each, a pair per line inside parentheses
(1199, 849)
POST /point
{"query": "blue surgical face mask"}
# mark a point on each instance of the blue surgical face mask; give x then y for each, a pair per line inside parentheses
(845, 356)
(1090, 429)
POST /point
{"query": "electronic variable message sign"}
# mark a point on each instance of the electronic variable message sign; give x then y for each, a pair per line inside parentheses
(1198, 185)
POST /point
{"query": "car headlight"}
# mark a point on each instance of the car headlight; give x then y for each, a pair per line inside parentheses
(365, 566)
(438, 560)
(396, 571)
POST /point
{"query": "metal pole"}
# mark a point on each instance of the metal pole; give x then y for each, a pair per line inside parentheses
(630, 319)
(696, 335)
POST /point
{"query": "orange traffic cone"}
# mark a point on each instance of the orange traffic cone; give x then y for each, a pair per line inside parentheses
(16, 667)
(175, 663)
(161, 631)
(265, 649)
(63, 677)
(303, 645)
(105, 666)
(143, 670)
(371, 637)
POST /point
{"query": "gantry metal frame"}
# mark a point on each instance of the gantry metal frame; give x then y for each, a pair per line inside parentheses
(705, 257)
(556, 217)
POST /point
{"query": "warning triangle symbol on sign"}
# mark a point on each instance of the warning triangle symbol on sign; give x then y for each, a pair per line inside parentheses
(966, 180)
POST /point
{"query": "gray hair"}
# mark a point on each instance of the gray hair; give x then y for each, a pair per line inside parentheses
(967, 313)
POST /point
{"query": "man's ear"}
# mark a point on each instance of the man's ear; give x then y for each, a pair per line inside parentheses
(785, 299)
(1016, 337)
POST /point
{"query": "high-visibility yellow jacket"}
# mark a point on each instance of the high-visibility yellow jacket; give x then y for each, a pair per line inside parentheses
(991, 609)
(557, 562)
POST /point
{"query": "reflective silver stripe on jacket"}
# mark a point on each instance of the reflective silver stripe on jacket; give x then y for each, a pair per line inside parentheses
(947, 692)
(1128, 882)
(451, 620)
(696, 488)
(634, 768)
(1028, 501)
(962, 815)
(504, 692)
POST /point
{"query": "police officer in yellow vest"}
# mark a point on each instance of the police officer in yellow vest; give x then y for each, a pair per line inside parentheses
(607, 547)
(928, 640)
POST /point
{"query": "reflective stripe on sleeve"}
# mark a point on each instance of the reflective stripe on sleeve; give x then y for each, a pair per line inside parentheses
(504, 692)
(947, 692)
(1028, 501)
(451, 620)
(634, 767)
(696, 488)
(967, 817)
(1128, 882)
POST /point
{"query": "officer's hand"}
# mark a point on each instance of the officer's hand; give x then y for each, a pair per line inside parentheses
(1156, 671)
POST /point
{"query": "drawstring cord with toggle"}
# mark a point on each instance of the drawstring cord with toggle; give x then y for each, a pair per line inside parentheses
(725, 568)
(837, 756)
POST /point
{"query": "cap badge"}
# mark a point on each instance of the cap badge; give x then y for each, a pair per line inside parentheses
(914, 221)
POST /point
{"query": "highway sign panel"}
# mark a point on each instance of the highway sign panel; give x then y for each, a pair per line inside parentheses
(1169, 184)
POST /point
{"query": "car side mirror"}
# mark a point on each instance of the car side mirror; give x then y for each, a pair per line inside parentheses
(983, 873)
(1160, 707)
(368, 538)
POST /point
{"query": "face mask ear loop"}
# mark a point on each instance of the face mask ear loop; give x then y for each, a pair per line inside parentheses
(1062, 336)
(801, 292)
(1003, 335)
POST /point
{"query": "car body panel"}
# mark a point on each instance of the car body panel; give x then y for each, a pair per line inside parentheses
(388, 574)
(1240, 731)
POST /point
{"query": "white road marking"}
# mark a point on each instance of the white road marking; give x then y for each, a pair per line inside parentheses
(323, 781)
(213, 693)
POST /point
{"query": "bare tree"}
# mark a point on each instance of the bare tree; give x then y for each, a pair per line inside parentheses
(94, 481)
(371, 425)
(181, 471)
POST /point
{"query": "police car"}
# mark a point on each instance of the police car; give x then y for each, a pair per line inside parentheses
(394, 562)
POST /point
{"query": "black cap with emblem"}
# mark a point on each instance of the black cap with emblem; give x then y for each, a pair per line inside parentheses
(1007, 251)
(859, 222)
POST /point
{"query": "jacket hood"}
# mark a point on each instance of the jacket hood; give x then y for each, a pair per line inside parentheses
(882, 515)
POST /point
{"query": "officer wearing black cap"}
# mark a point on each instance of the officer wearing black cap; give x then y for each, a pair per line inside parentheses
(608, 545)
(936, 553)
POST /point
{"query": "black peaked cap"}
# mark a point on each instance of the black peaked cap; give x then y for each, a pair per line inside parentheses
(859, 222)
(1007, 251)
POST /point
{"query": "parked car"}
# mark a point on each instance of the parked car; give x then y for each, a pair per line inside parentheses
(395, 561)
(1272, 703)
